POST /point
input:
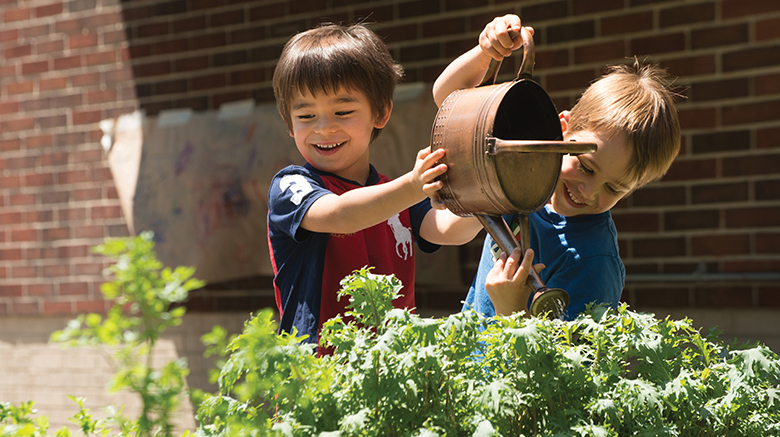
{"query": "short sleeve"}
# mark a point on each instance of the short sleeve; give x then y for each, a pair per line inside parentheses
(293, 190)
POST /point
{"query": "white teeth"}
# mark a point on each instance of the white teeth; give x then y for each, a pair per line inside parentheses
(573, 199)
(329, 146)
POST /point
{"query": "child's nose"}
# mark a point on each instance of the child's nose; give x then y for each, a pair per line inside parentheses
(325, 124)
(587, 191)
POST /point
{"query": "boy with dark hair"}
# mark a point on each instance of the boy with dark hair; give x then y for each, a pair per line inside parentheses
(335, 214)
(630, 114)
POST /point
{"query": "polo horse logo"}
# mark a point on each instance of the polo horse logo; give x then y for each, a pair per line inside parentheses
(403, 237)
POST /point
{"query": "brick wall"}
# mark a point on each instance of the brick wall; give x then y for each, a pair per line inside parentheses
(63, 68)
(67, 65)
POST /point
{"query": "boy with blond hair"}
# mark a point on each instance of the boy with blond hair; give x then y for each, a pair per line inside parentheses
(334, 86)
(630, 114)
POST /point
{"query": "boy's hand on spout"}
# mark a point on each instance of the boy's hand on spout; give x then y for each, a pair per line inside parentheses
(502, 36)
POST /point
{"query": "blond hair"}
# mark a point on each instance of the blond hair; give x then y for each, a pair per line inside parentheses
(637, 100)
(331, 56)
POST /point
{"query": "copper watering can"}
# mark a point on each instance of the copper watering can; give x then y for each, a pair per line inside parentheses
(504, 157)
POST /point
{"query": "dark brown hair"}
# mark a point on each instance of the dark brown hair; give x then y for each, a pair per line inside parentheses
(331, 56)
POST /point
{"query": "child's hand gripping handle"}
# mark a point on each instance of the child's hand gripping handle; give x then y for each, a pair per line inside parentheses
(552, 300)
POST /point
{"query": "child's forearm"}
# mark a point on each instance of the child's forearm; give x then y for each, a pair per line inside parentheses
(361, 208)
(445, 228)
(466, 71)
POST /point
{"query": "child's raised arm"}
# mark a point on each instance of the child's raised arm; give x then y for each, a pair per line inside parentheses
(498, 39)
(364, 207)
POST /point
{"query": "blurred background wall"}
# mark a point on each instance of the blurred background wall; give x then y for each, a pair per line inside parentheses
(704, 242)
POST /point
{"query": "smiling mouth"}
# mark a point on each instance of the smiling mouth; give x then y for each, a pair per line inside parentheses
(571, 196)
(329, 146)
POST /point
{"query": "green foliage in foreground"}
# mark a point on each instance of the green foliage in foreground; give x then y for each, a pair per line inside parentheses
(146, 296)
(608, 373)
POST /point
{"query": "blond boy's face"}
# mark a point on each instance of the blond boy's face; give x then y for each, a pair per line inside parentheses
(593, 183)
(332, 131)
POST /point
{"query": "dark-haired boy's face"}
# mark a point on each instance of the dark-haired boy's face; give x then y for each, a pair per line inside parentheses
(333, 130)
(593, 183)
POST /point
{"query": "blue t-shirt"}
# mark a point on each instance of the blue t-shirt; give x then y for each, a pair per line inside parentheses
(580, 255)
(308, 266)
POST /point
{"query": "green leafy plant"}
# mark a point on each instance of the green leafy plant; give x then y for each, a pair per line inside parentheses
(146, 297)
(393, 373)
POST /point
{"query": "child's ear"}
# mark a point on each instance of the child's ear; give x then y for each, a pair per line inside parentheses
(382, 119)
(564, 117)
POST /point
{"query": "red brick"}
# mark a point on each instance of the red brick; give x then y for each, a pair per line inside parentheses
(89, 232)
(751, 58)
(741, 8)
(767, 29)
(581, 7)
(576, 31)
(659, 247)
(11, 254)
(10, 290)
(105, 212)
(10, 218)
(672, 42)
(48, 10)
(23, 272)
(19, 14)
(720, 245)
(56, 270)
(658, 195)
(39, 290)
(20, 235)
(576, 80)
(627, 23)
(20, 163)
(767, 189)
(721, 192)
(7, 145)
(265, 12)
(38, 141)
(661, 298)
(38, 179)
(719, 36)
(725, 296)
(86, 117)
(51, 308)
(692, 169)
(18, 51)
(22, 199)
(31, 68)
(717, 142)
(25, 87)
(91, 306)
(699, 118)
(689, 220)
(152, 69)
(636, 222)
(189, 24)
(769, 297)
(752, 217)
(73, 288)
(720, 89)
(36, 31)
(10, 182)
(751, 265)
(87, 194)
(54, 234)
(688, 14)
(768, 242)
(691, 65)
(72, 177)
(67, 63)
(19, 124)
(599, 52)
(40, 215)
(100, 58)
(49, 47)
(54, 196)
(751, 165)
(55, 83)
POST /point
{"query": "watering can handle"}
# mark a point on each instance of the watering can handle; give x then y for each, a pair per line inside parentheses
(526, 67)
